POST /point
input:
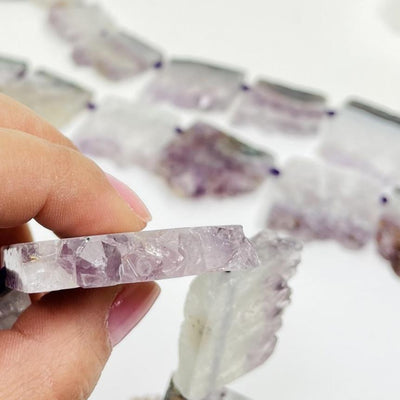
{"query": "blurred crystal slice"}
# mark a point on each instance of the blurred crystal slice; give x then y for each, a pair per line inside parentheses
(194, 84)
(80, 21)
(12, 304)
(126, 132)
(365, 138)
(388, 235)
(203, 160)
(52, 97)
(319, 201)
(221, 394)
(275, 108)
(116, 55)
(11, 70)
(231, 319)
(108, 260)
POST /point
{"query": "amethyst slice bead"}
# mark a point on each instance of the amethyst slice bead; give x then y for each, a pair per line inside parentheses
(272, 107)
(195, 85)
(203, 160)
(108, 260)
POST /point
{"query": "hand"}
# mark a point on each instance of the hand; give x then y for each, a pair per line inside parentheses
(60, 344)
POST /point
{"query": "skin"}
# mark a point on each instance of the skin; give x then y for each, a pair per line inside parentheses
(59, 346)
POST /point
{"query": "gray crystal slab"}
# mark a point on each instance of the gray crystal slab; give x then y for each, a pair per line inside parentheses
(203, 160)
(366, 138)
(116, 55)
(221, 394)
(272, 107)
(11, 70)
(195, 85)
(77, 22)
(231, 319)
(51, 96)
(126, 132)
(315, 200)
(107, 260)
(12, 304)
(388, 233)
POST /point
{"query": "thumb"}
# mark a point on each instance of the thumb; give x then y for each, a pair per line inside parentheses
(60, 344)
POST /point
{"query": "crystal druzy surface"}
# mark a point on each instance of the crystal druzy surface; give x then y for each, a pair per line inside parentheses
(107, 260)
(116, 55)
(388, 234)
(221, 394)
(365, 138)
(126, 132)
(203, 160)
(196, 85)
(275, 108)
(12, 304)
(318, 201)
(11, 70)
(52, 97)
(231, 319)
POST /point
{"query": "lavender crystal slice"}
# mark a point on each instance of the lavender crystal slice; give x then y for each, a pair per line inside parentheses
(271, 107)
(126, 132)
(75, 22)
(194, 84)
(107, 260)
(231, 319)
(52, 97)
(12, 304)
(318, 201)
(116, 55)
(221, 394)
(203, 160)
(366, 138)
(388, 234)
(11, 70)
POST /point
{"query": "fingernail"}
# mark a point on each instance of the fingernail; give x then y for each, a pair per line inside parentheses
(129, 307)
(131, 198)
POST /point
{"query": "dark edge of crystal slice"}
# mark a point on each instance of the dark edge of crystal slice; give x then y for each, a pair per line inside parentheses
(293, 93)
(373, 110)
(141, 42)
(3, 288)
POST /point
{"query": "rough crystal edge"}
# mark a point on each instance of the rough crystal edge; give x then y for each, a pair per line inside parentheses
(15, 258)
(12, 305)
(374, 110)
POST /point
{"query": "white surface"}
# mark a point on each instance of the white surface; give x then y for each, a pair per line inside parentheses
(340, 338)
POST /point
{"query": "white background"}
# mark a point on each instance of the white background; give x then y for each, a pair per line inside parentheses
(340, 338)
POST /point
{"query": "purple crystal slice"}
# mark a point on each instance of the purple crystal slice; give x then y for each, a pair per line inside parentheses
(366, 138)
(11, 70)
(203, 160)
(116, 55)
(51, 96)
(275, 108)
(126, 132)
(75, 22)
(194, 84)
(107, 260)
(318, 201)
(388, 234)
(231, 319)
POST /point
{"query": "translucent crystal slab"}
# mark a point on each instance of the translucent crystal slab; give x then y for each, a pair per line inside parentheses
(12, 304)
(126, 132)
(203, 160)
(52, 97)
(221, 394)
(75, 22)
(319, 201)
(231, 319)
(275, 108)
(11, 70)
(193, 84)
(116, 55)
(107, 260)
(365, 138)
(388, 235)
